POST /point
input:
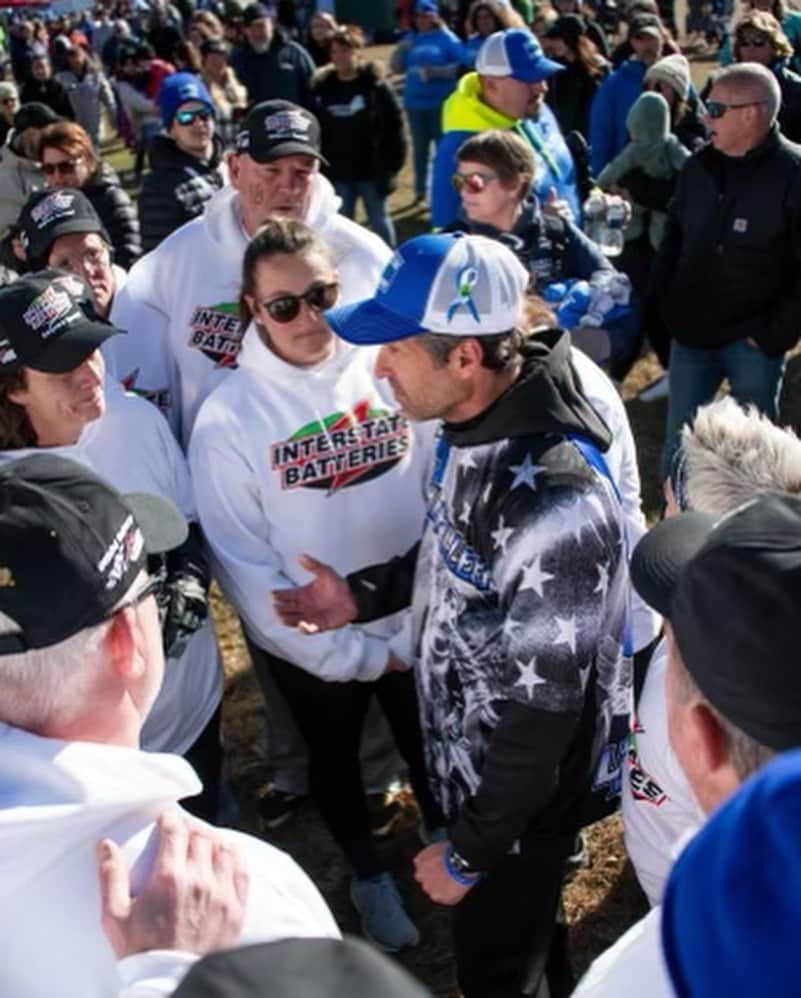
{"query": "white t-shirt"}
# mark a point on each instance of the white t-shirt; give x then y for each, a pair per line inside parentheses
(658, 806)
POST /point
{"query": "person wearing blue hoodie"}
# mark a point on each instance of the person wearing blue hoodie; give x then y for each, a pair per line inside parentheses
(430, 56)
(614, 97)
(507, 91)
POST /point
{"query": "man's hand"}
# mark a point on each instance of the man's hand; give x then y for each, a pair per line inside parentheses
(431, 875)
(556, 206)
(323, 605)
(194, 899)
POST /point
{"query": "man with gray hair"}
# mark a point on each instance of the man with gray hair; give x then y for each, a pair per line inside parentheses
(727, 457)
(81, 664)
(727, 279)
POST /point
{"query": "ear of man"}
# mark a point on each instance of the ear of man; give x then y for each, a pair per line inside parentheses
(119, 647)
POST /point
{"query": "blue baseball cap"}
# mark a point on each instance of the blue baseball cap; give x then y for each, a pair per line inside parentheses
(515, 53)
(730, 916)
(452, 284)
(426, 7)
(178, 89)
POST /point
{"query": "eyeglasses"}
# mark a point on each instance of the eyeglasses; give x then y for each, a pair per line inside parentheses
(475, 182)
(716, 108)
(188, 117)
(285, 308)
(754, 41)
(63, 168)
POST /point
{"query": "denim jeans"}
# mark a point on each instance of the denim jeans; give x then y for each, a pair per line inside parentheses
(375, 206)
(695, 376)
(426, 130)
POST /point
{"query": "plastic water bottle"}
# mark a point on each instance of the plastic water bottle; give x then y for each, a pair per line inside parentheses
(611, 241)
(594, 210)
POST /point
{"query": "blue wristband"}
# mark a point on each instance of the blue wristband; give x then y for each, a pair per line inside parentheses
(463, 879)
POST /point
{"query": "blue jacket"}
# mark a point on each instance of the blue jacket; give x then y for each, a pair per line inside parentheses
(464, 114)
(429, 48)
(611, 104)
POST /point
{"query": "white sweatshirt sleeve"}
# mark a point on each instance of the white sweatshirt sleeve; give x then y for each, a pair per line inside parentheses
(248, 567)
(155, 974)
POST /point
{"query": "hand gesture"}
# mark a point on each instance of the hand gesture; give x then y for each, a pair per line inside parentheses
(194, 899)
(556, 206)
(323, 605)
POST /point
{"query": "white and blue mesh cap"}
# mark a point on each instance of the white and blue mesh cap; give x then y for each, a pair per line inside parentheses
(516, 53)
(452, 284)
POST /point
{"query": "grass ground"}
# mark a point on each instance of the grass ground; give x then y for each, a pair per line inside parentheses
(603, 898)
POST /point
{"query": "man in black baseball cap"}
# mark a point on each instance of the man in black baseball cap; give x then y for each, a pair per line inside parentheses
(279, 128)
(81, 664)
(20, 170)
(60, 229)
(268, 62)
(730, 591)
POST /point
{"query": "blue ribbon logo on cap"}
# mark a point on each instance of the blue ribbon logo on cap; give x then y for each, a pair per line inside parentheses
(466, 280)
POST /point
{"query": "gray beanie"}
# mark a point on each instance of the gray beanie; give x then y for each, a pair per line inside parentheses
(673, 70)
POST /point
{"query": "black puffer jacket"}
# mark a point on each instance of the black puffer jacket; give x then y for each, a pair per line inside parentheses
(361, 115)
(176, 189)
(729, 267)
(117, 213)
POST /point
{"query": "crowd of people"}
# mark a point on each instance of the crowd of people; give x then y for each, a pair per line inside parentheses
(408, 467)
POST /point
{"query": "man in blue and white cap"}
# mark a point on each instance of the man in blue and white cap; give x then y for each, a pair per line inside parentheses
(185, 160)
(519, 594)
(507, 90)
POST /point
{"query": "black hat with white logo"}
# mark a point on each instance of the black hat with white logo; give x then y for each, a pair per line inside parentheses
(278, 128)
(71, 548)
(46, 215)
(48, 323)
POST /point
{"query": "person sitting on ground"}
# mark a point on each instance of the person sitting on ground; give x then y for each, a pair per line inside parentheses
(186, 160)
(82, 663)
(69, 160)
(732, 693)
(20, 171)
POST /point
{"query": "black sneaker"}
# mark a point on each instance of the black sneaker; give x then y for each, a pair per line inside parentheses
(277, 806)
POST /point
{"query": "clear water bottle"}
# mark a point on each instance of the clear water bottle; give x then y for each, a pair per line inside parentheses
(611, 241)
(594, 222)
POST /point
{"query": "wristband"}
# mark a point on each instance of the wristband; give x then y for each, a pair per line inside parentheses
(458, 868)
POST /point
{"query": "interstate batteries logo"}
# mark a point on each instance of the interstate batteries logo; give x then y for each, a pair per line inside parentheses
(343, 449)
(216, 332)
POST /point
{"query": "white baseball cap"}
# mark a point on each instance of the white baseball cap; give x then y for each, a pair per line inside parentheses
(453, 284)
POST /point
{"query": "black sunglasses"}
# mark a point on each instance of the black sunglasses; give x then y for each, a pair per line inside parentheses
(716, 108)
(285, 308)
(187, 117)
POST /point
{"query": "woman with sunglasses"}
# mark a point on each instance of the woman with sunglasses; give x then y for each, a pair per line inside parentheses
(790, 21)
(758, 37)
(55, 396)
(299, 449)
(69, 160)
(186, 160)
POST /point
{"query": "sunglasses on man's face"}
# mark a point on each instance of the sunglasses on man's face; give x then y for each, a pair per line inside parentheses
(475, 182)
(716, 108)
(319, 297)
(188, 117)
(64, 167)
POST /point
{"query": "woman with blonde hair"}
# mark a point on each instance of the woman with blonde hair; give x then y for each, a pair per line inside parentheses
(228, 95)
(319, 33)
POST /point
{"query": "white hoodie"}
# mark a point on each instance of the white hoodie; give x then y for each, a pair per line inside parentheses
(57, 800)
(179, 303)
(131, 446)
(288, 460)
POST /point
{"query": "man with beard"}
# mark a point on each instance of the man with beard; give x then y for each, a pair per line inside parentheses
(506, 91)
(268, 63)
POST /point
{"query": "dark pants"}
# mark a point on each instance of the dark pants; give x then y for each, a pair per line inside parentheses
(507, 941)
(205, 756)
(330, 717)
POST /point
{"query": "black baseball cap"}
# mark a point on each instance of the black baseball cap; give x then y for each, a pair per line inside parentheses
(277, 128)
(568, 27)
(731, 589)
(300, 968)
(71, 547)
(255, 12)
(46, 215)
(645, 24)
(48, 323)
(34, 115)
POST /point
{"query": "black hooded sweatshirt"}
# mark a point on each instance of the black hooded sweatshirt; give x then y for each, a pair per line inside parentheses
(520, 615)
